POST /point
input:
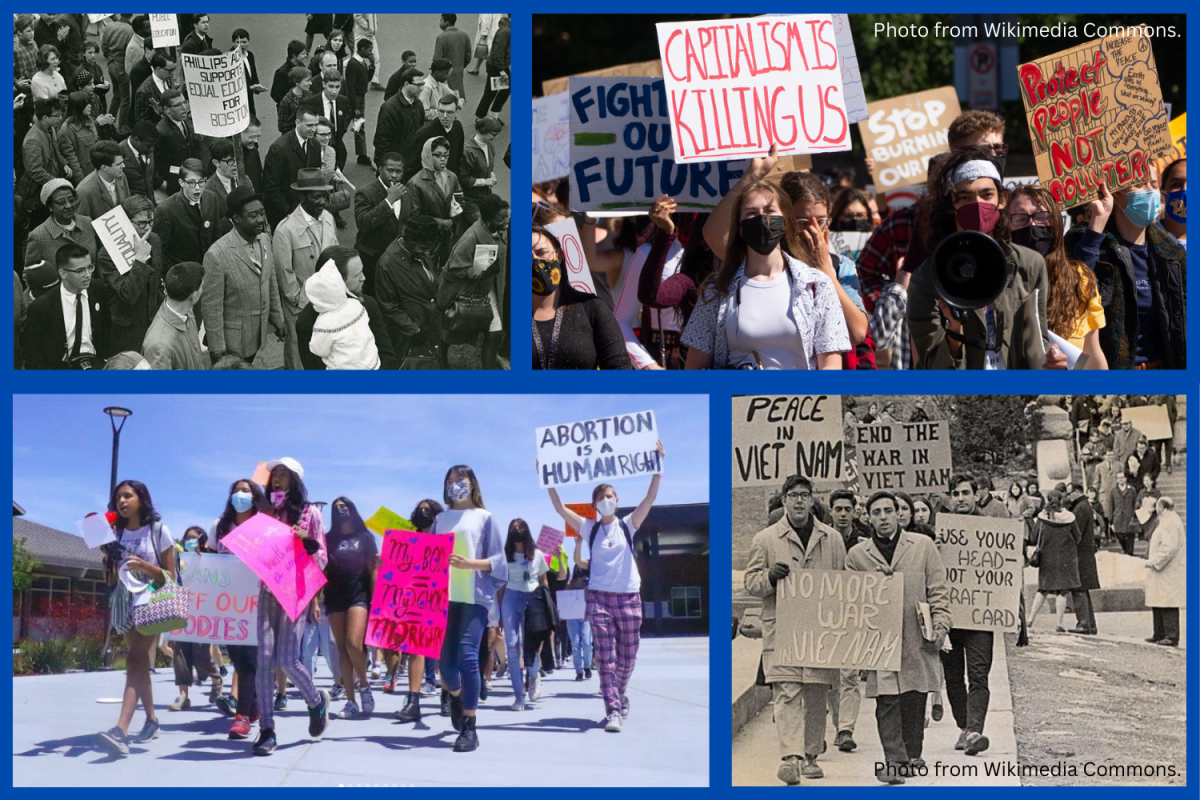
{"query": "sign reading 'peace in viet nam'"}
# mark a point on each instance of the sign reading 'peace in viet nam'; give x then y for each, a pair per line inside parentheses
(412, 593)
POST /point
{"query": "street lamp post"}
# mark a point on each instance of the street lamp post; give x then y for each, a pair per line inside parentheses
(114, 413)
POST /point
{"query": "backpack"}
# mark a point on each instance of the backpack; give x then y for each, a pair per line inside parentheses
(583, 576)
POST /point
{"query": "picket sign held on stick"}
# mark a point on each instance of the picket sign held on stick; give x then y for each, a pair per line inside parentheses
(272, 550)
(905, 456)
(164, 30)
(224, 595)
(117, 234)
(604, 449)
(1153, 421)
(218, 93)
(903, 133)
(778, 436)
(412, 593)
(983, 561)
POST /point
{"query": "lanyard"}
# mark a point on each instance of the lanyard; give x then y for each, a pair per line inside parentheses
(548, 363)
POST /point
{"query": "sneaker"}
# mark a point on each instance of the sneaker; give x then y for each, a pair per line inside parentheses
(445, 703)
(337, 693)
(375, 672)
(961, 744)
(180, 704)
(789, 771)
(484, 688)
(215, 691)
(368, 701)
(518, 705)
(318, 716)
(535, 689)
(149, 732)
(412, 709)
(976, 743)
(578, 676)
(240, 728)
(225, 705)
(845, 742)
(587, 674)
(938, 712)
(467, 740)
(113, 741)
(265, 745)
(810, 769)
(349, 711)
(428, 688)
(624, 705)
(613, 724)
(280, 701)
(456, 712)
(541, 673)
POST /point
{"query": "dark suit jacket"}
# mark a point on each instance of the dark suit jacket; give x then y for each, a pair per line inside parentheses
(173, 149)
(139, 176)
(134, 298)
(281, 84)
(376, 222)
(147, 102)
(357, 84)
(195, 43)
(307, 318)
(252, 162)
(345, 115)
(407, 295)
(398, 124)
(44, 337)
(284, 160)
(182, 239)
(93, 200)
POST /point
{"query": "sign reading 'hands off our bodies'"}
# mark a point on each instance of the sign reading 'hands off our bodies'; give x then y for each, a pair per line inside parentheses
(598, 450)
(224, 596)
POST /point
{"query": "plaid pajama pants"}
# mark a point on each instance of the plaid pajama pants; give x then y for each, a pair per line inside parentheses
(280, 644)
(616, 620)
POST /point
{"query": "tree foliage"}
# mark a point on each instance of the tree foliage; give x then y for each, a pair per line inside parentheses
(24, 566)
(990, 434)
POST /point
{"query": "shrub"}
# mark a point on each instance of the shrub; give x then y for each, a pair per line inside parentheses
(87, 653)
(48, 657)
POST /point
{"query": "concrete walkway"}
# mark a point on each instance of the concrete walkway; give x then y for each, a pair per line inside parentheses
(560, 742)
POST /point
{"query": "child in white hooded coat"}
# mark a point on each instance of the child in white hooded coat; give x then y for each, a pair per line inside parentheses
(342, 333)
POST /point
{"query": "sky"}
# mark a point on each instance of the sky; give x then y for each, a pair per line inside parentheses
(390, 450)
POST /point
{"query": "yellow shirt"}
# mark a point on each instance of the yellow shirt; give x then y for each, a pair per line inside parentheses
(1091, 316)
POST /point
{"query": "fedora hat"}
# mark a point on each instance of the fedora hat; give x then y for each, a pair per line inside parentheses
(310, 180)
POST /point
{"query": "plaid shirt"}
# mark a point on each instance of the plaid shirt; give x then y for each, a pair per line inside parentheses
(24, 59)
(881, 256)
(889, 326)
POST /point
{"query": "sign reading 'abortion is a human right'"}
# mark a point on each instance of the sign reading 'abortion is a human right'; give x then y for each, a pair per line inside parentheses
(604, 449)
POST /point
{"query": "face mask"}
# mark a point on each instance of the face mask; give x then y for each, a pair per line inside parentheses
(1177, 206)
(1000, 163)
(607, 507)
(981, 217)
(422, 519)
(459, 491)
(853, 226)
(546, 275)
(278, 499)
(763, 233)
(190, 545)
(1035, 237)
(1141, 208)
(241, 501)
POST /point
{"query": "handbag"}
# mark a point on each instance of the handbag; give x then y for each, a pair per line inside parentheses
(481, 49)
(1035, 558)
(420, 357)
(470, 315)
(167, 608)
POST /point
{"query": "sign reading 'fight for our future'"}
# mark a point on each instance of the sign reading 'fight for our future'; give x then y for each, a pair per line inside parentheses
(1096, 116)
(412, 593)
(778, 436)
(736, 87)
(224, 595)
(909, 456)
(216, 87)
(277, 556)
(604, 449)
(983, 569)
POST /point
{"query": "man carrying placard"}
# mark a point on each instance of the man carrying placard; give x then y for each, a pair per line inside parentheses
(844, 700)
(799, 694)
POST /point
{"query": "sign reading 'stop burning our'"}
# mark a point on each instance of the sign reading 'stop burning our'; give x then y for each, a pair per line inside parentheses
(1096, 115)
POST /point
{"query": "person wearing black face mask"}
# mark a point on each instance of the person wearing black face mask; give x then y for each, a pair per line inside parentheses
(1073, 308)
(851, 212)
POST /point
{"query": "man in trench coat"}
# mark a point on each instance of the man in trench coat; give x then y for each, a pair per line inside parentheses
(796, 542)
(1089, 577)
(900, 696)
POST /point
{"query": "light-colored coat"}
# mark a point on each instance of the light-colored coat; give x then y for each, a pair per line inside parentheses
(1166, 564)
(296, 250)
(93, 199)
(917, 558)
(229, 276)
(171, 343)
(781, 543)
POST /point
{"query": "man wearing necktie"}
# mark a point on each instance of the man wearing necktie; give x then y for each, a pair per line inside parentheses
(298, 241)
(66, 329)
(177, 140)
(335, 107)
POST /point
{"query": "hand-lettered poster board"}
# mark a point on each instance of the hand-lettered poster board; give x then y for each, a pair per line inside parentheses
(412, 593)
(777, 436)
(905, 456)
(984, 564)
(551, 151)
(224, 597)
(277, 556)
(598, 450)
(903, 133)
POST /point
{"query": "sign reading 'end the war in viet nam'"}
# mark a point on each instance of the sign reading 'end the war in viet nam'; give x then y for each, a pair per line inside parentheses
(839, 620)
(983, 569)
(909, 456)
(1096, 115)
(605, 449)
(775, 437)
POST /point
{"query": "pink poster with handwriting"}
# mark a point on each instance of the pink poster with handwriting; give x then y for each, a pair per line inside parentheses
(550, 540)
(412, 593)
(272, 551)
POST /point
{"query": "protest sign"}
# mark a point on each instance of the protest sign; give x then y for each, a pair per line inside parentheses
(117, 234)
(93, 18)
(224, 600)
(848, 243)
(261, 474)
(411, 597)
(594, 450)
(983, 569)
(1095, 115)
(216, 87)
(840, 619)
(385, 519)
(1153, 421)
(1178, 132)
(909, 456)
(852, 86)
(735, 87)
(95, 530)
(640, 69)
(164, 30)
(274, 553)
(585, 510)
(572, 603)
(550, 541)
(578, 274)
(778, 436)
(551, 152)
(903, 133)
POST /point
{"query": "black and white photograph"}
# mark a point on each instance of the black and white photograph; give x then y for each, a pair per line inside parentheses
(261, 191)
(953, 590)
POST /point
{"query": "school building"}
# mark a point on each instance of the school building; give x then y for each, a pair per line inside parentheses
(672, 557)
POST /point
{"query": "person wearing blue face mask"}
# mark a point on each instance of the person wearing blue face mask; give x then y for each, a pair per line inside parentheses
(1174, 191)
(189, 657)
(1139, 268)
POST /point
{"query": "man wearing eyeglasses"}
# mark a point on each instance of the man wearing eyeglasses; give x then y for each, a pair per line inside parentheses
(67, 329)
(225, 172)
(796, 542)
(42, 159)
(177, 141)
(401, 116)
(445, 124)
(188, 222)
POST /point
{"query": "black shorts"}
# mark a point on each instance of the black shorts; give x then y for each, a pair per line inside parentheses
(341, 598)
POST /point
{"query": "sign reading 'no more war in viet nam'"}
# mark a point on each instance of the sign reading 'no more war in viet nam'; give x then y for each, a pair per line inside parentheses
(224, 594)
(778, 436)
(983, 569)
(412, 593)
(1096, 115)
(839, 620)
(272, 550)
(216, 87)
(909, 456)
(605, 449)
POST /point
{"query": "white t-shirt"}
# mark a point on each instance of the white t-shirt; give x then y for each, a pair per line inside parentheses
(765, 323)
(523, 575)
(475, 536)
(612, 565)
(139, 542)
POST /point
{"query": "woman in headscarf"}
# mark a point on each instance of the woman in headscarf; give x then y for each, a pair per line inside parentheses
(436, 192)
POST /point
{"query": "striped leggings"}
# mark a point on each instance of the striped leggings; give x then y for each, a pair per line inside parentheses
(616, 620)
(280, 645)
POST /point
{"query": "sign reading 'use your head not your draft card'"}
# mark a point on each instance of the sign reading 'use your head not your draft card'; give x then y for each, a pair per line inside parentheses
(598, 450)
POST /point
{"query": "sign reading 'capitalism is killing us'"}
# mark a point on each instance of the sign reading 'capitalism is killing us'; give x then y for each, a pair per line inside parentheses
(604, 449)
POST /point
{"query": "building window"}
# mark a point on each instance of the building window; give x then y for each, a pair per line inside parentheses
(685, 602)
(48, 590)
(93, 593)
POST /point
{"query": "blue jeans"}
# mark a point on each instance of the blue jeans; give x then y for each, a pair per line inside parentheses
(459, 661)
(320, 637)
(512, 615)
(581, 643)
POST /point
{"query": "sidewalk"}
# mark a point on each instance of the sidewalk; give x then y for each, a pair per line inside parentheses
(1123, 627)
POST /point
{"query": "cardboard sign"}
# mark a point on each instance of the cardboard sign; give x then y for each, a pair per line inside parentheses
(117, 234)
(848, 243)
(551, 138)
(578, 273)
(1152, 421)
(585, 510)
(95, 530)
(262, 475)
(572, 604)
(1178, 131)
(550, 541)
(216, 87)
(778, 436)
(1095, 116)
(412, 593)
(840, 619)
(734, 87)
(909, 456)
(385, 520)
(984, 563)
(224, 594)
(852, 86)
(641, 69)
(903, 133)
(164, 30)
(269, 548)
(598, 450)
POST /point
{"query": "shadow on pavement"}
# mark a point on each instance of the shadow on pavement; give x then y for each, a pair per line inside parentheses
(552, 725)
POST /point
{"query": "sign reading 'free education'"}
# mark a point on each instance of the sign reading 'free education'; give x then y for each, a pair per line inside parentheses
(909, 456)
(779, 436)
(983, 569)
(595, 450)
(216, 87)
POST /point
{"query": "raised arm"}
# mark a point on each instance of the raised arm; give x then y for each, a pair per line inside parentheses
(568, 516)
(643, 510)
(716, 230)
